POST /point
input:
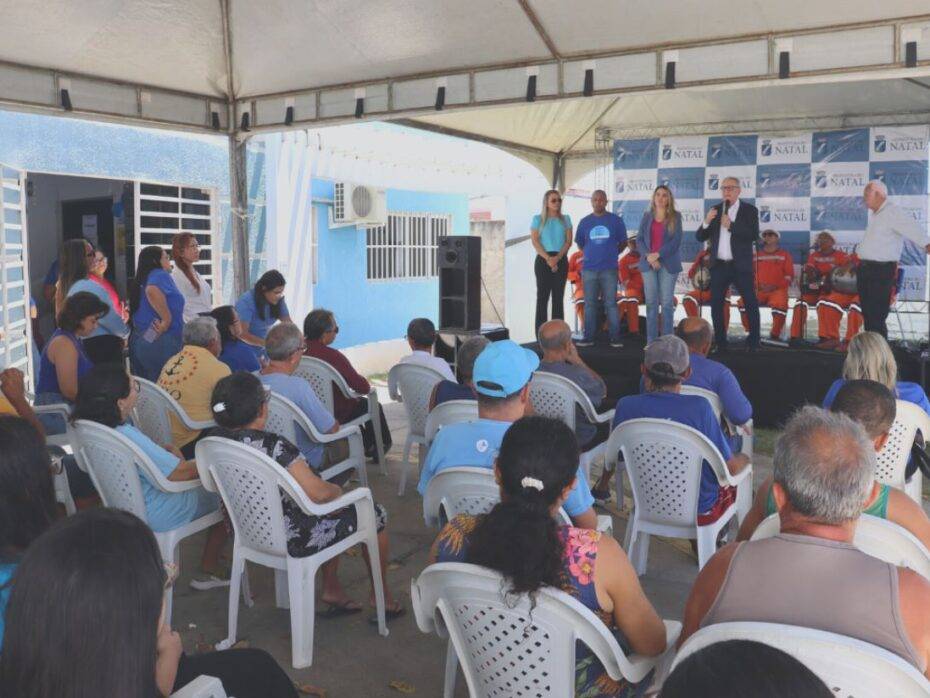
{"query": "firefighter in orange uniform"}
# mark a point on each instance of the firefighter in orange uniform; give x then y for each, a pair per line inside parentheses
(575, 264)
(774, 272)
(632, 279)
(830, 307)
(694, 299)
(823, 258)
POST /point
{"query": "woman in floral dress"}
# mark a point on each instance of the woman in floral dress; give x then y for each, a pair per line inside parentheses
(521, 539)
(239, 404)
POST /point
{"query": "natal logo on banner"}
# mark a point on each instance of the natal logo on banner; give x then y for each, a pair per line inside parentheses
(899, 143)
(634, 184)
(784, 149)
(787, 213)
(683, 152)
(839, 178)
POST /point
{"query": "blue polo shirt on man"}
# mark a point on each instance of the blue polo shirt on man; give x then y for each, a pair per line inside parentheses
(476, 444)
(600, 238)
(691, 410)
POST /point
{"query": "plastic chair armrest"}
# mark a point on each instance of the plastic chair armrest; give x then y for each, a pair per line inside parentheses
(201, 686)
(604, 417)
(58, 408)
(735, 480)
(193, 423)
(643, 664)
(344, 433)
(179, 485)
(356, 496)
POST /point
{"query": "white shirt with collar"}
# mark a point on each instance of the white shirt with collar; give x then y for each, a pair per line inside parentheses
(724, 246)
(884, 236)
(424, 358)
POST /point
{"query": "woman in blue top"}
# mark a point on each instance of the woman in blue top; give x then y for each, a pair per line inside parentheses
(260, 308)
(107, 340)
(660, 260)
(551, 233)
(107, 395)
(27, 497)
(157, 314)
(869, 357)
(236, 354)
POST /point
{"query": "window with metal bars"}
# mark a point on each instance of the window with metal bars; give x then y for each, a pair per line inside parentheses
(405, 248)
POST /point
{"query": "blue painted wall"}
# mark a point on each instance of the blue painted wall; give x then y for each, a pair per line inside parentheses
(370, 311)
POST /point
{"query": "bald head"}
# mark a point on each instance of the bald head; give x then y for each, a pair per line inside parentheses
(554, 339)
(697, 334)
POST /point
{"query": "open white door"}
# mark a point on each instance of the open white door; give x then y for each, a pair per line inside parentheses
(15, 322)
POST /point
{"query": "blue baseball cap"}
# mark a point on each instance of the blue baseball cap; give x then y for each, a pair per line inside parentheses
(503, 368)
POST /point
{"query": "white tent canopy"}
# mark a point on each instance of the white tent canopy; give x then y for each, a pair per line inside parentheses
(544, 78)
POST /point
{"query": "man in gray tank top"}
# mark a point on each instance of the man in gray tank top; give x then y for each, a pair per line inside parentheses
(810, 575)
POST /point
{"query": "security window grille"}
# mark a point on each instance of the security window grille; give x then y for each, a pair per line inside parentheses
(339, 209)
(14, 281)
(164, 210)
(405, 248)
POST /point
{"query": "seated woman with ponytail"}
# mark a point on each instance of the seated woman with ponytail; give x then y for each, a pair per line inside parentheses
(521, 539)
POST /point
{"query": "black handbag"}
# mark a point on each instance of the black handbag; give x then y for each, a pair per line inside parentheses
(919, 458)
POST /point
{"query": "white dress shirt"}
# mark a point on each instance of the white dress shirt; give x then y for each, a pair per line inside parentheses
(884, 237)
(424, 358)
(724, 248)
(195, 302)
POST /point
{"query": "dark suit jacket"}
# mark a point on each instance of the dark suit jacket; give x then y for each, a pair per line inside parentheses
(744, 231)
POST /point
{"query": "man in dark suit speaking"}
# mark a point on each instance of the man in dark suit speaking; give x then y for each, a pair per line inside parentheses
(732, 228)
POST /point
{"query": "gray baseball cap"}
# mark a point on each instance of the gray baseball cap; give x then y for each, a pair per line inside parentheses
(670, 351)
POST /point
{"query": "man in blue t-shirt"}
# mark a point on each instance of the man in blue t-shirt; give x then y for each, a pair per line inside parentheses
(600, 235)
(501, 377)
(665, 367)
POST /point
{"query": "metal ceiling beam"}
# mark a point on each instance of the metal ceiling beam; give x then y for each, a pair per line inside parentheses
(498, 142)
(538, 26)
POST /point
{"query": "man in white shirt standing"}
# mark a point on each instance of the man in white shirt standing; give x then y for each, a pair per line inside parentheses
(879, 254)
(421, 336)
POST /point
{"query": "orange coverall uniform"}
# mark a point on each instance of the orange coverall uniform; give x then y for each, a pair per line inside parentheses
(830, 309)
(575, 264)
(772, 269)
(694, 299)
(632, 295)
(824, 263)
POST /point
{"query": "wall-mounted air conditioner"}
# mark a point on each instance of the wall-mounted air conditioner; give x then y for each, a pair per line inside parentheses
(356, 204)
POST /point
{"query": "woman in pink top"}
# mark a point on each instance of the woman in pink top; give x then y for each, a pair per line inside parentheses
(97, 270)
(660, 235)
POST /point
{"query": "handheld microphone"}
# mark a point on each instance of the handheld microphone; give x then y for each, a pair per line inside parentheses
(726, 206)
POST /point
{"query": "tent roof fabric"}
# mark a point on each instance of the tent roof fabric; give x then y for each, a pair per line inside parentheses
(173, 62)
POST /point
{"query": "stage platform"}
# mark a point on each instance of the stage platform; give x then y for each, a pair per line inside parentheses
(776, 380)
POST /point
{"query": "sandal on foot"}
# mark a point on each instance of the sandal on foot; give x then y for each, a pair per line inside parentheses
(389, 614)
(336, 610)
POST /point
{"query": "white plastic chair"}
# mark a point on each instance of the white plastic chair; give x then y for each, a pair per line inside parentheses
(285, 419)
(446, 413)
(893, 458)
(508, 649)
(717, 407)
(876, 537)
(664, 459)
(412, 385)
(250, 484)
(59, 446)
(556, 397)
(850, 668)
(202, 687)
(150, 415)
(115, 465)
(473, 490)
(322, 377)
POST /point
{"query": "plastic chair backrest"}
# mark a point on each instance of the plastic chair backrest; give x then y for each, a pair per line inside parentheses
(505, 648)
(150, 415)
(876, 537)
(250, 484)
(464, 490)
(556, 397)
(112, 461)
(320, 375)
(287, 420)
(708, 395)
(851, 668)
(892, 459)
(202, 687)
(447, 413)
(663, 459)
(414, 384)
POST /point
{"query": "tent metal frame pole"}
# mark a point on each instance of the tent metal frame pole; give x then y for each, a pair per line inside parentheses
(239, 210)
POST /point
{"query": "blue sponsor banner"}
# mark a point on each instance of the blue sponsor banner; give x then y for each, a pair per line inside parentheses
(783, 180)
(840, 146)
(685, 182)
(632, 213)
(725, 151)
(902, 177)
(637, 154)
(838, 213)
(797, 243)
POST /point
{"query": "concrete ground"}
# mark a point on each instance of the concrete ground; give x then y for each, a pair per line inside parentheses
(350, 658)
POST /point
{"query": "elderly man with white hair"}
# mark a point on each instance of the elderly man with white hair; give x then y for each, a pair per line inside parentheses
(810, 574)
(880, 251)
(190, 376)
